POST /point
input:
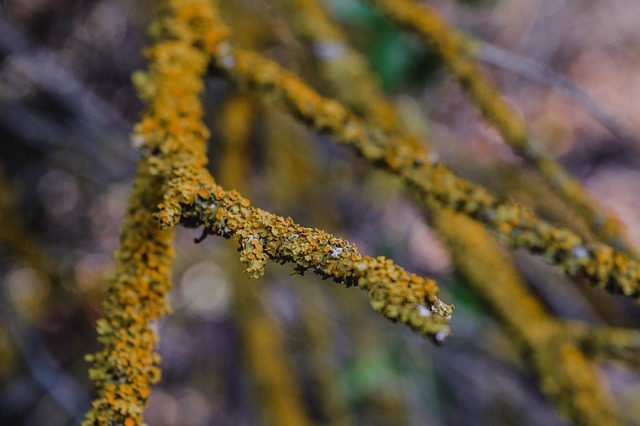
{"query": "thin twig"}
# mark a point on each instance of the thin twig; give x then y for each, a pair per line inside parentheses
(537, 72)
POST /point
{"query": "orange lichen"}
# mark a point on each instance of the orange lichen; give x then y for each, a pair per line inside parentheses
(173, 140)
(171, 130)
(127, 366)
(394, 292)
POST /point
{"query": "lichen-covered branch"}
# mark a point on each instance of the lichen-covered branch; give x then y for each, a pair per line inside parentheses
(171, 133)
(429, 179)
(395, 293)
(172, 184)
(453, 47)
(172, 138)
(126, 367)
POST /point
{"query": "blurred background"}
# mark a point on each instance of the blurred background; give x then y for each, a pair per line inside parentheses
(231, 345)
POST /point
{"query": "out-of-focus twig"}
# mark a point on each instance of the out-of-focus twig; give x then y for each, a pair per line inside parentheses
(563, 371)
(537, 72)
(602, 342)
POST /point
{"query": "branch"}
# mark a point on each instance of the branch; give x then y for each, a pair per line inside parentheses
(344, 69)
(606, 342)
(263, 346)
(395, 293)
(564, 373)
(173, 140)
(174, 137)
(126, 367)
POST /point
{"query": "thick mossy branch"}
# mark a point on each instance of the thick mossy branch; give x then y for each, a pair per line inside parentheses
(124, 370)
(395, 293)
(453, 48)
(429, 179)
(173, 140)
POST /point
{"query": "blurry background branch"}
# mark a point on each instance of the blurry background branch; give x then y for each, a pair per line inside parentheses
(534, 71)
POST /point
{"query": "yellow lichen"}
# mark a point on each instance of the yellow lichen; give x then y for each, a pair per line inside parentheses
(172, 138)
(128, 365)
(171, 129)
(394, 292)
